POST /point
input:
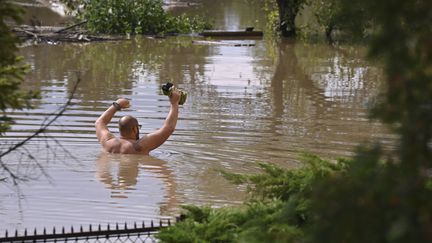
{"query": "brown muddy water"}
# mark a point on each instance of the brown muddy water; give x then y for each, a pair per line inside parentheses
(246, 104)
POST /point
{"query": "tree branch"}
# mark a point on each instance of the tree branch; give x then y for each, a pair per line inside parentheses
(43, 128)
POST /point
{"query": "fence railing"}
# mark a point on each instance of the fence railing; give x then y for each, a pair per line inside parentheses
(137, 232)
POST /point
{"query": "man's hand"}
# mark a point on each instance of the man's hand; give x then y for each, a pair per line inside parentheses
(175, 96)
(124, 103)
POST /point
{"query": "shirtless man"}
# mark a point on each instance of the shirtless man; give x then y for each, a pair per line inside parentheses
(129, 141)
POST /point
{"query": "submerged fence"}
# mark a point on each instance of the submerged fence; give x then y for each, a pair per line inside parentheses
(138, 232)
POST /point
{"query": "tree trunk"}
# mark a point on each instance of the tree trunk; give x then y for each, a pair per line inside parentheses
(328, 33)
(288, 10)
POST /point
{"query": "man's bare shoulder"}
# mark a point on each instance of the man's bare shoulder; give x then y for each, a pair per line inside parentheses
(140, 145)
(125, 146)
(112, 145)
(110, 136)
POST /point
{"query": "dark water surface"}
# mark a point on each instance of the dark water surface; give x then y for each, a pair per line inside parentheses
(247, 104)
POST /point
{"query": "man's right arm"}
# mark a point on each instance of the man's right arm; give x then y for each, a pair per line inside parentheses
(101, 124)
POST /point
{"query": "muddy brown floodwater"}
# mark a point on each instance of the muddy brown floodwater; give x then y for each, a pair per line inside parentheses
(246, 104)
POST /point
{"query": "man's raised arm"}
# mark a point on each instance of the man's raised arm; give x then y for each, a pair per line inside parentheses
(158, 137)
(101, 124)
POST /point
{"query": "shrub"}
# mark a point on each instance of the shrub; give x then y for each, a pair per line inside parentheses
(136, 17)
(278, 209)
(331, 16)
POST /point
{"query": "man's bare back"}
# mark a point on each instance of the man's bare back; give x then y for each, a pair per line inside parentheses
(123, 146)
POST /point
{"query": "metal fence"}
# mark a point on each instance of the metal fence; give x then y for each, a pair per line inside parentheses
(138, 232)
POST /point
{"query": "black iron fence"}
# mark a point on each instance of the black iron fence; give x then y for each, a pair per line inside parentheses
(137, 232)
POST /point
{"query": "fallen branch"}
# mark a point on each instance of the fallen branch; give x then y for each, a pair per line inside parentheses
(31, 33)
(71, 27)
(54, 34)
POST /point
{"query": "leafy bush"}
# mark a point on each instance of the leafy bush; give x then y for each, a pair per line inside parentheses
(258, 222)
(331, 16)
(136, 17)
(186, 24)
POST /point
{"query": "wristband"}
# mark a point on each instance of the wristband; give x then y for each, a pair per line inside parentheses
(116, 105)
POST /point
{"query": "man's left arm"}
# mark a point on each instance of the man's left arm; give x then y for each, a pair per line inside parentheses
(158, 137)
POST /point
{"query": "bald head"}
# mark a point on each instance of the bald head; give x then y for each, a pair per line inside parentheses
(127, 125)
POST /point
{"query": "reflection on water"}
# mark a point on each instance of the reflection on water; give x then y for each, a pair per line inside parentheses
(226, 14)
(120, 174)
(108, 189)
(245, 104)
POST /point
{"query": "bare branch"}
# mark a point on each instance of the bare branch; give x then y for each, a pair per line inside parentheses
(45, 124)
(14, 177)
(63, 147)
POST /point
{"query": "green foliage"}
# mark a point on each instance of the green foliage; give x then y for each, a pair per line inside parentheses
(258, 222)
(11, 70)
(331, 15)
(272, 15)
(372, 202)
(186, 24)
(403, 42)
(121, 17)
(279, 183)
(277, 211)
(8, 41)
(134, 17)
